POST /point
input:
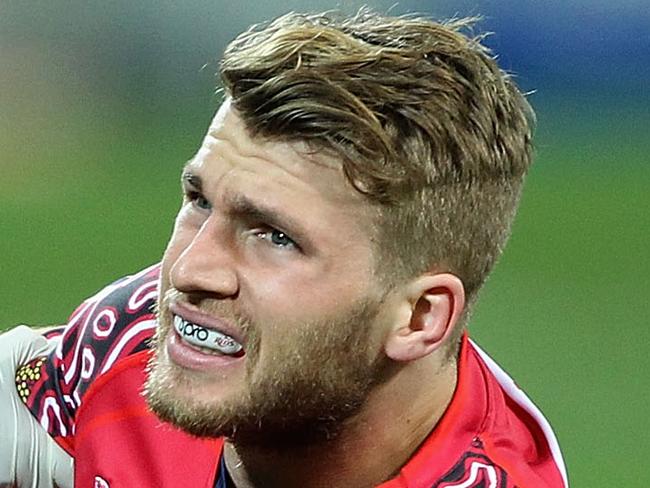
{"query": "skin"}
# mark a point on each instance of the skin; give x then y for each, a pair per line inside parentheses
(228, 264)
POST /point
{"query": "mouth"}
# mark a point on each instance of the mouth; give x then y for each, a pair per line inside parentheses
(205, 340)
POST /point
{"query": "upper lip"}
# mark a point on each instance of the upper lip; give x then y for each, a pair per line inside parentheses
(192, 314)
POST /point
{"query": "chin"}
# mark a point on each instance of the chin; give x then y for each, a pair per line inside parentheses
(180, 398)
(181, 385)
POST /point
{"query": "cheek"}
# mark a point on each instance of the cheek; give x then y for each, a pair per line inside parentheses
(301, 296)
(175, 247)
(182, 234)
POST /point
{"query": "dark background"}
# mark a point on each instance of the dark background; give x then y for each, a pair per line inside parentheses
(102, 102)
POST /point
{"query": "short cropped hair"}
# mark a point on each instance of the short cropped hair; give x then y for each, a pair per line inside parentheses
(423, 120)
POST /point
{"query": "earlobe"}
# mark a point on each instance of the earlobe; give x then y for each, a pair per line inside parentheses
(430, 311)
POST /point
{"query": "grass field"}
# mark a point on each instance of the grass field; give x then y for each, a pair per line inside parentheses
(566, 312)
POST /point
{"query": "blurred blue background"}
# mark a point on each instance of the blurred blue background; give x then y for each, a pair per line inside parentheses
(102, 102)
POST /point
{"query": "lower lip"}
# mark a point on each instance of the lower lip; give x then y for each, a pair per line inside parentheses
(187, 357)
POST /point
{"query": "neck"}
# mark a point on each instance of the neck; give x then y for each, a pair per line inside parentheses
(371, 447)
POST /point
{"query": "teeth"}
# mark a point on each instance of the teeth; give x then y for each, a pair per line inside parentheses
(199, 336)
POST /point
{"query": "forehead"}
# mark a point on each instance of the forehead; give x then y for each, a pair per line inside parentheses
(290, 175)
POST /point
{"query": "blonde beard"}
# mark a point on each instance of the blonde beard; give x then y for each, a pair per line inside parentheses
(318, 376)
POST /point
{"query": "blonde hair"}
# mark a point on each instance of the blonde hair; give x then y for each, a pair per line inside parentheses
(424, 122)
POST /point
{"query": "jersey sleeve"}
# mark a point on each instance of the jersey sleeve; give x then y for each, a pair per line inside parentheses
(115, 323)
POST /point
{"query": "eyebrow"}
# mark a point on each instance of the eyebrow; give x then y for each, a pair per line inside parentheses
(244, 208)
(191, 179)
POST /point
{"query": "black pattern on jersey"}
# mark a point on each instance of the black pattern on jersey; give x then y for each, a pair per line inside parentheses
(474, 470)
(114, 324)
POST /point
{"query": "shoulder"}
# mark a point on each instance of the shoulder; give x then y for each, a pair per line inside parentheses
(490, 435)
(516, 436)
(108, 327)
(114, 323)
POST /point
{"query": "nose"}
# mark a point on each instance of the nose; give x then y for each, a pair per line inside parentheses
(207, 264)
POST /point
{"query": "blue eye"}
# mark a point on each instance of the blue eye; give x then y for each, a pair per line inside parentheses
(277, 239)
(281, 239)
(199, 201)
(202, 202)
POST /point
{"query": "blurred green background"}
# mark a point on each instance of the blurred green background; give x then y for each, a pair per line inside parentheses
(102, 102)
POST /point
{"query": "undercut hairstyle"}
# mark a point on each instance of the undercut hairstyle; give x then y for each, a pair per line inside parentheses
(423, 120)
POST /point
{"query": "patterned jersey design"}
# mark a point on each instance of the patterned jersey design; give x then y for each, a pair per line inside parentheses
(474, 470)
(119, 321)
(115, 323)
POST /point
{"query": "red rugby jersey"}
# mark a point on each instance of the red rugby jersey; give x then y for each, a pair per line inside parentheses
(86, 394)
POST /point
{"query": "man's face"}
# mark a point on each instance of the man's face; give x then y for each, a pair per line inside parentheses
(270, 318)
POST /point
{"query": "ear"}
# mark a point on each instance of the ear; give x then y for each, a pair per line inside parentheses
(429, 310)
